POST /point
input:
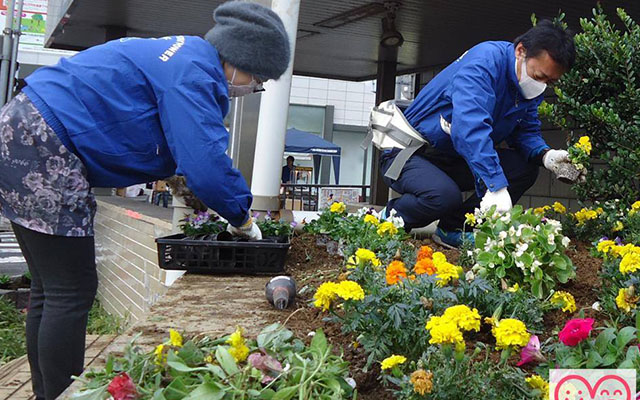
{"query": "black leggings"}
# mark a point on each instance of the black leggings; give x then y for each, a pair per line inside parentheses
(63, 287)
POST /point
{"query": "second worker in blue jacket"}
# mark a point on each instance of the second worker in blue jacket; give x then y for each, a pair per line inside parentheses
(489, 95)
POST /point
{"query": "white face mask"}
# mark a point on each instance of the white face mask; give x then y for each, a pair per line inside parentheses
(529, 87)
(243, 90)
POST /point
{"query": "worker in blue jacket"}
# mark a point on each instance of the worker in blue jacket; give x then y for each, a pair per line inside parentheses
(129, 111)
(489, 95)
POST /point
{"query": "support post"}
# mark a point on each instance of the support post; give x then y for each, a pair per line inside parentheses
(385, 90)
(6, 52)
(17, 31)
(272, 123)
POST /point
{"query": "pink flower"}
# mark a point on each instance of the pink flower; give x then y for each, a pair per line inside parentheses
(575, 331)
(531, 352)
(266, 364)
(123, 388)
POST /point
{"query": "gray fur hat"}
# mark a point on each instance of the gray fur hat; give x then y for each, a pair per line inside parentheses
(252, 38)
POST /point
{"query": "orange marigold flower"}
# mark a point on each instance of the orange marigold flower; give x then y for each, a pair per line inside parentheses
(425, 252)
(395, 271)
(424, 266)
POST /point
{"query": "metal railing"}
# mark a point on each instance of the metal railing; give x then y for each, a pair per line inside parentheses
(306, 197)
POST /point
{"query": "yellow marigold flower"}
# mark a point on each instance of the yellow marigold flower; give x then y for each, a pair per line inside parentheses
(209, 359)
(599, 211)
(439, 257)
(585, 215)
(349, 290)
(630, 263)
(160, 356)
(236, 339)
(540, 211)
(239, 353)
(618, 226)
(536, 382)
(425, 252)
(387, 228)
(338, 208)
(513, 288)
(395, 271)
(464, 317)
(446, 272)
(604, 246)
(365, 255)
(392, 361)
(175, 338)
(564, 300)
(626, 299)
(355, 344)
(511, 333)
(559, 208)
(422, 381)
(424, 266)
(325, 294)
(470, 219)
(584, 144)
(443, 331)
(371, 219)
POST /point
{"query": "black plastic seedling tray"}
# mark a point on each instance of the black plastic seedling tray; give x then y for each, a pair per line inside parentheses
(211, 256)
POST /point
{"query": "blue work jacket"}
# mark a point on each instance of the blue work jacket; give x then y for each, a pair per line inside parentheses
(138, 110)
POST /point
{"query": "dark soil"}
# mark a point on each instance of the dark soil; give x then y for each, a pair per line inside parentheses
(310, 265)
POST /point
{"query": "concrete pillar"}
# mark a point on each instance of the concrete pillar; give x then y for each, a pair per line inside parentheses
(327, 134)
(385, 90)
(272, 123)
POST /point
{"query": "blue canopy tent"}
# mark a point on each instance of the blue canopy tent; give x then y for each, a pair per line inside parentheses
(297, 141)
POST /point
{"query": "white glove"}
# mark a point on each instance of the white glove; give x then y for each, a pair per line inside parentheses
(249, 230)
(556, 160)
(500, 198)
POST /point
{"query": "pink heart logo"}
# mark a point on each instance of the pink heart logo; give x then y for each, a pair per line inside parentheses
(593, 391)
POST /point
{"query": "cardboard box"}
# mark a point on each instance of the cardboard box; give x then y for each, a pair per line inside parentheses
(291, 204)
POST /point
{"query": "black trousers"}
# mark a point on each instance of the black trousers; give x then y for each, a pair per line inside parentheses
(63, 287)
(432, 182)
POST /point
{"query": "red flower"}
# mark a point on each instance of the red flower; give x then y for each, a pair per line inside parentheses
(575, 331)
(123, 388)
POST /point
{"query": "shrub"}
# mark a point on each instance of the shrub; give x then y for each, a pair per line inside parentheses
(601, 96)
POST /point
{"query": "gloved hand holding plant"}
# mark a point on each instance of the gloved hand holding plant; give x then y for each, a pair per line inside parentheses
(569, 166)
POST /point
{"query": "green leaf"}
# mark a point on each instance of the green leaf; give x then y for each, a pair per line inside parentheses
(572, 362)
(91, 394)
(206, 391)
(608, 359)
(286, 393)
(319, 342)
(158, 395)
(604, 338)
(625, 336)
(536, 289)
(226, 360)
(594, 360)
(633, 353)
(190, 353)
(176, 390)
(267, 394)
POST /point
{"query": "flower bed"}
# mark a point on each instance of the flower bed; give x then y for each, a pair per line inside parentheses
(412, 319)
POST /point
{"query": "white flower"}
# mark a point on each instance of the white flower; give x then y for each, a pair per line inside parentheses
(512, 230)
(502, 235)
(469, 253)
(551, 239)
(505, 218)
(491, 265)
(536, 263)
(311, 334)
(566, 241)
(520, 264)
(469, 276)
(538, 228)
(478, 221)
(501, 255)
(521, 248)
(596, 306)
(361, 212)
(554, 223)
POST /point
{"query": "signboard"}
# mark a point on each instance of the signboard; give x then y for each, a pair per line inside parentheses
(34, 22)
(328, 195)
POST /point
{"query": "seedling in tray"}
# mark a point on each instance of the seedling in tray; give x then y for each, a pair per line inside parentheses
(202, 225)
